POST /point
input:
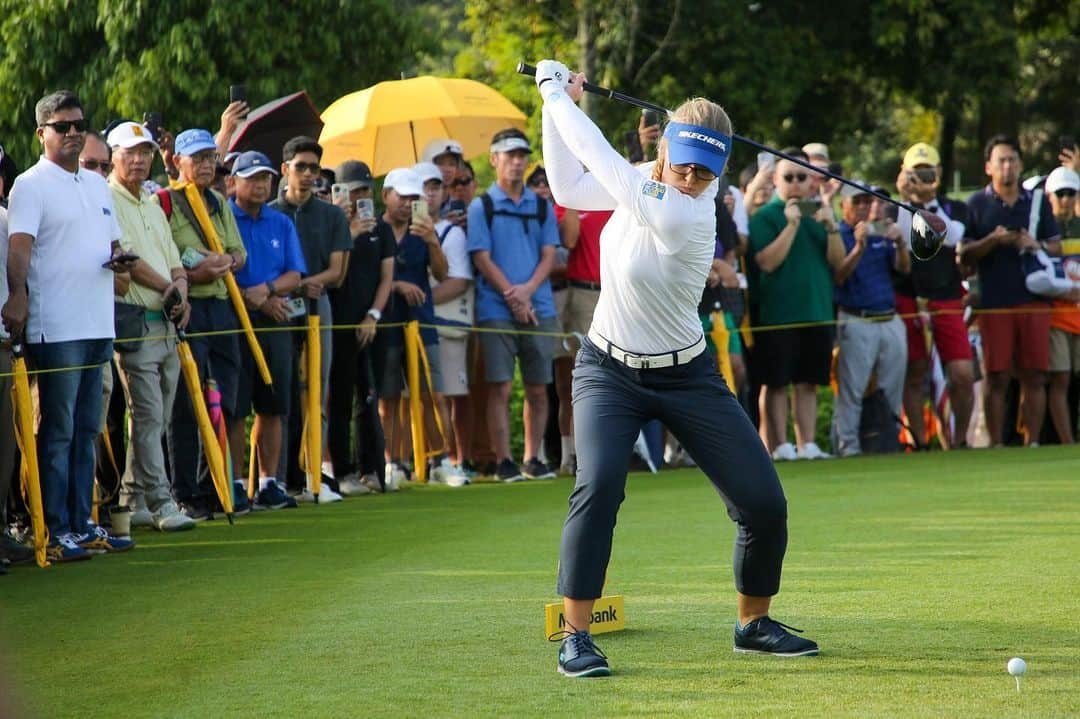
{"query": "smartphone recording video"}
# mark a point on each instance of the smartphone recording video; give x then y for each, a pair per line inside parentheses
(809, 208)
(365, 208)
(420, 209)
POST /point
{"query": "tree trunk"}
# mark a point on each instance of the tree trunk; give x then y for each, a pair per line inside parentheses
(586, 42)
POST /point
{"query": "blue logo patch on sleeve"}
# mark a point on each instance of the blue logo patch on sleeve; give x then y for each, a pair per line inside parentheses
(655, 190)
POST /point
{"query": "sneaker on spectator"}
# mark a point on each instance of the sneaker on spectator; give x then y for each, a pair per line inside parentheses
(568, 468)
(326, 495)
(352, 486)
(810, 450)
(371, 481)
(14, 552)
(169, 518)
(65, 548)
(452, 475)
(395, 476)
(328, 469)
(240, 503)
(508, 471)
(198, 511)
(785, 453)
(140, 514)
(272, 496)
(768, 636)
(535, 469)
(98, 541)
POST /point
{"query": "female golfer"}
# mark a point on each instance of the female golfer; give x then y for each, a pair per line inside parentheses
(645, 359)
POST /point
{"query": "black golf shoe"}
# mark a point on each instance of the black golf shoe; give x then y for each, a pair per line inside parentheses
(579, 656)
(768, 636)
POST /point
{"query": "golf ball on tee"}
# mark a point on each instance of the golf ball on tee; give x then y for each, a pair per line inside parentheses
(1017, 666)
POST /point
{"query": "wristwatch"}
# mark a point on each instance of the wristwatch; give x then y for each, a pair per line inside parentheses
(270, 286)
(375, 313)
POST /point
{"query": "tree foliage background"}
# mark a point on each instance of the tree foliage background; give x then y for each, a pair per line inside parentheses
(866, 78)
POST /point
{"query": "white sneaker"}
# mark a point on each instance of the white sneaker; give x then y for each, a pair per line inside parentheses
(326, 495)
(351, 486)
(141, 516)
(810, 450)
(445, 472)
(371, 481)
(785, 453)
(169, 518)
(395, 477)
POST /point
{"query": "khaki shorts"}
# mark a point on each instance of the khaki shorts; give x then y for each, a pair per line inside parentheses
(453, 354)
(1064, 351)
(576, 314)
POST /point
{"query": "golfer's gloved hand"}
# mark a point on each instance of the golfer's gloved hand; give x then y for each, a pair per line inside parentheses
(551, 76)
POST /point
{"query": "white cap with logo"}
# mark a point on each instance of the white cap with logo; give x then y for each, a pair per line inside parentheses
(130, 134)
(405, 182)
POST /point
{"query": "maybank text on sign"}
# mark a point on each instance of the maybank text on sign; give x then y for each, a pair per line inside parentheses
(608, 616)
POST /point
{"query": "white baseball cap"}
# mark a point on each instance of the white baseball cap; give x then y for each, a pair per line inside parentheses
(427, 171)
(130, 134)
(1062, 178)
(441, 146)
(405, 182)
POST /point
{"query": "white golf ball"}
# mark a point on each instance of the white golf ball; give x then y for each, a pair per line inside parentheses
(1017, 666)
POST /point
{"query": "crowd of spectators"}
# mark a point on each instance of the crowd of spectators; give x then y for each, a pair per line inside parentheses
(812, 279)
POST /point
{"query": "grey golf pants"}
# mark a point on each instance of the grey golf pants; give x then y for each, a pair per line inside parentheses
(611, 403)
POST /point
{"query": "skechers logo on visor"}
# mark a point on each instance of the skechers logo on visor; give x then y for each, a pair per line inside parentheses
(694, 144)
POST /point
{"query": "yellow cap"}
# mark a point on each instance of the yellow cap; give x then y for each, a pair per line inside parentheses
(921, 154)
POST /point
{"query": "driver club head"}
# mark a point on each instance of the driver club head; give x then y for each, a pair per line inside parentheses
(928, 233)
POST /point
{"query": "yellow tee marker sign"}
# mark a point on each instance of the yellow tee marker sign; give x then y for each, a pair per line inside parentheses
(609, 615)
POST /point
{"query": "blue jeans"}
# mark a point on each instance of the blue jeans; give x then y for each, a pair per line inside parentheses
(70, 404)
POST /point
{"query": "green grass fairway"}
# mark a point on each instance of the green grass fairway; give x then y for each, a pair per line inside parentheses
(920, 576)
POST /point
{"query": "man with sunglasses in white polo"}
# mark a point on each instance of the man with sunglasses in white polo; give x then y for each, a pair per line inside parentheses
(62, 243)
(794, 257)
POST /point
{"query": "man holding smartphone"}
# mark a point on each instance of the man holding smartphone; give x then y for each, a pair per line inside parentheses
(360, 300)
(275, 264)
(217, 354)
(938, 281)
(326, 241)
(151, 372)
(793, 258)
(1004, 220)
(62, 227)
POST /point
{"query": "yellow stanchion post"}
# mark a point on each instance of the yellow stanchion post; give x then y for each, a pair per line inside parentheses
(253, 464)
(721, 337)
(190, 370)
(416, 405)
(194, 198)
(313, 422)
(24, 438)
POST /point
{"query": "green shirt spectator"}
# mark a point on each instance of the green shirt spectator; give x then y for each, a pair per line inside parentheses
(148, 235)
(186, 235)
(801, 288)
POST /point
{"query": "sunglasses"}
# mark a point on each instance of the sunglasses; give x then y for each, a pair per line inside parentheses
(702, 173)
(1062, 194)
(796, 177)
(64, 126)
(302, 167)
(461, 182)
(95, 165)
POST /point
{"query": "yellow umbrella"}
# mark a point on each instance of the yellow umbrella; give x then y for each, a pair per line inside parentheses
(388, 124)
(24, 436)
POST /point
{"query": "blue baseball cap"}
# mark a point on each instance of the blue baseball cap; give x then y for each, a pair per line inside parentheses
(252, 163)
(189, 142)
(697, 145)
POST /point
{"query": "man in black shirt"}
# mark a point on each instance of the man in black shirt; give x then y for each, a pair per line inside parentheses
(938, 282)
(360, 300)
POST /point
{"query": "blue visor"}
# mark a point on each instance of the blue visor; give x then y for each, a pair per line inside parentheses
(696, 145)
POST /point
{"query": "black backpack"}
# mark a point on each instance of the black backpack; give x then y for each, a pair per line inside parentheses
(540, 215)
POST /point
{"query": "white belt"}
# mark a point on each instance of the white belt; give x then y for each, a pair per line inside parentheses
(657, 361)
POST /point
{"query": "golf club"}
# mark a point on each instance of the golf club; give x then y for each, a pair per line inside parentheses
(927, 229)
